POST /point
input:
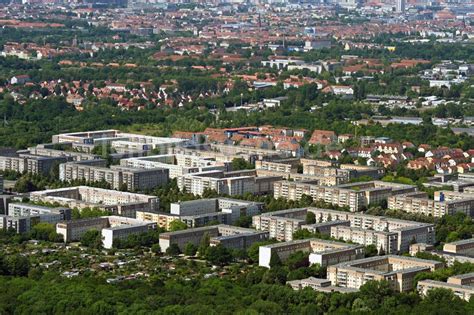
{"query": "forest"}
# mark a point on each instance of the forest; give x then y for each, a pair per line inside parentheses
(239, 294)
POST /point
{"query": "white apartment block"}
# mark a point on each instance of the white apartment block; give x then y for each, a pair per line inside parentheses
(282, 224)
(134, 179)
(461, 285)
(226, 235)
(386, 241)
(27, 210)
(177, 164)
(392, 235)
(419, 203)
(462, 247)
(407, 231)
(321, 252)
(355, 196)
(120, 203)
(111, 227)
(230, 183)
(399, 271)
(126, 142)
(163, 219)
(29, 163)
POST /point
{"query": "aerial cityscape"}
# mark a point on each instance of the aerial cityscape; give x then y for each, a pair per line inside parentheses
(236, 157)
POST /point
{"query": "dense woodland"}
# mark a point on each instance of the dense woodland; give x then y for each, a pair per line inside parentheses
(243, 294)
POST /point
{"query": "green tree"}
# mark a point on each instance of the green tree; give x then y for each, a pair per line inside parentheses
(177, 225)
(190, 249)
(310, 217)
(92, 239)
(218, 255)
(173, 250)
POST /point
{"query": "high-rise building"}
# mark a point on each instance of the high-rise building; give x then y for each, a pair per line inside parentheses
(401, 6)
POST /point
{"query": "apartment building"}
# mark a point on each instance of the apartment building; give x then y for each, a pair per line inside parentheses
(176, 164)
(28, 163)
(73, 230)
(304, 178)
(284, 166)
(461, 285)
(407, 231)
(120, 141)
(321, 252)
(325, 228)
(226, 235)
(249, 153)
(200, 212)
(206, 219)
(117, 202)
(49, 150)
(281, 225)
(230, 183)
(319, 285)
(235, 207)
(418, 202)
(462, 247)
(163, 219)
(384, 241)
(134, 179)
(346, 171)
(391, 235)
(354, 196)
(111, 227)
(18, 224)
(27, 210)
(22, 217)
(399, 271)
(120, 228)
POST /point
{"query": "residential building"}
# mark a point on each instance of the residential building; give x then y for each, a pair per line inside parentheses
(281, 225)
(226, 235)
(385, 242)
(163, 219)
(418, 202)
(120, 141)
(119, 177)
(399, 271)
(390, 235)
(111, 228)
(27, 209)
(117, 202)
(29, 163)
(319, 285)
(321, 252)
(461, 285)
(462, 247)
(230, 183)
(22, 217)
(177, 164)
(354, 196)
